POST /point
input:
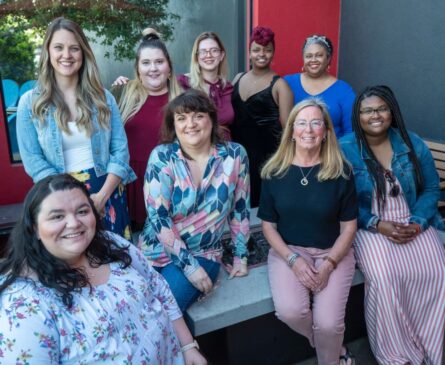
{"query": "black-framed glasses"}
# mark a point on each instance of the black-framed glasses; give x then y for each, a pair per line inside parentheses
(394, 187)
(370, 111)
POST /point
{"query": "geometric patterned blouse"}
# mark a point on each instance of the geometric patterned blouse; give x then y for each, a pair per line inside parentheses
(184, 220)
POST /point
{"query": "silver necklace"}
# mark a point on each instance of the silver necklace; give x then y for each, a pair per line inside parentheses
(304, 181)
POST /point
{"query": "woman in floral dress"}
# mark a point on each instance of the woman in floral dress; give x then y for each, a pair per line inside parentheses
(72, 293)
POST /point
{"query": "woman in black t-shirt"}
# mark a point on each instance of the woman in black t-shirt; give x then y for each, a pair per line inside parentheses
(309, 209)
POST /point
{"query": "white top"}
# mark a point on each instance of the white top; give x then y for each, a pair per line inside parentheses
(77, 152)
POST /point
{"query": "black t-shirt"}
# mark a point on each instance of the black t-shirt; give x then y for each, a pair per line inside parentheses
(310, 215)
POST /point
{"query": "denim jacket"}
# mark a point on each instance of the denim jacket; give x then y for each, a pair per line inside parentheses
(422, 204)
(41, 149)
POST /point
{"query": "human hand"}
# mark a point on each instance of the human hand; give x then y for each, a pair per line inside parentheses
(398, 232)
(194, 357)
(201, 281)
(306, 273)
(121, 80)
(239, 268)
(324, 272)
(99, 203)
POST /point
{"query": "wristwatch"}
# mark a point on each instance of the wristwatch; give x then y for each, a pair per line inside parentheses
(373, 226)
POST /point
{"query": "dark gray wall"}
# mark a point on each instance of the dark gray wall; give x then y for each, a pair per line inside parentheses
(400, 43)
(225, 17)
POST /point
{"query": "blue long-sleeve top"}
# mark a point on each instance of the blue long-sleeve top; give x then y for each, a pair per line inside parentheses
(339, 97)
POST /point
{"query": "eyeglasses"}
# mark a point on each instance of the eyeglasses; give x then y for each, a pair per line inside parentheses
(395, 189)
(315, 124)
(214, 52)
(370, 111)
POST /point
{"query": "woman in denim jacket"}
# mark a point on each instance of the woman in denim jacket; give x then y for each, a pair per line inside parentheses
(397, 246)
(70, 123)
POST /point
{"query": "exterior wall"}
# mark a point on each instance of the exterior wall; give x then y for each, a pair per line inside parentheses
(14, 183)
(226, 18)
(293, 21)
(399, 43)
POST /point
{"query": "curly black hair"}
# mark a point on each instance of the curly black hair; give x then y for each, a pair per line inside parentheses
(25, 252)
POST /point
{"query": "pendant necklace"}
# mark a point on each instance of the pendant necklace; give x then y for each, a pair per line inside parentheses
(304, 181)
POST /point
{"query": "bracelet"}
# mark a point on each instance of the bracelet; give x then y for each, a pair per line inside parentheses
(292, 258)
(331, 260)
(189, 346)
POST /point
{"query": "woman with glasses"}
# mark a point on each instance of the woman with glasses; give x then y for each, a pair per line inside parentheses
(208, 73)
(315, 80)
(308, 208)
(262, 101)
(397, 246)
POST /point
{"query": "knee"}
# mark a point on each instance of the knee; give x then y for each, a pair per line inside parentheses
(329, 327)
(292, 313)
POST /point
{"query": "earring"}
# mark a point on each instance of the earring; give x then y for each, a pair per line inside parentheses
(293, 139)
(324, 139)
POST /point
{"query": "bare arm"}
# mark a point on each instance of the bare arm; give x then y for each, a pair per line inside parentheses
(236, 78)
(191, 356)
(341, 247)
(284, 98)
(101, 197)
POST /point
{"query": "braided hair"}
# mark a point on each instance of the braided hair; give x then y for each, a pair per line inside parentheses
(373, 165)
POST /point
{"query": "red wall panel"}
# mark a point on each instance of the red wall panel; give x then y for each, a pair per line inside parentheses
(14, 182)
(293, 21)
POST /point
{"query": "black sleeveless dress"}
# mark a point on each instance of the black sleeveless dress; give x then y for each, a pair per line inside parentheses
(257, 127)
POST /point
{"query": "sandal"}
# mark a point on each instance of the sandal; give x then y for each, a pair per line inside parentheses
(347, 356)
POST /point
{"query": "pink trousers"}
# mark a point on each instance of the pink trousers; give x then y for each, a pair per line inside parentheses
(323, 322)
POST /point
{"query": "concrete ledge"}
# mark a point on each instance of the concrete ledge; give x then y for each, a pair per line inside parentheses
(232, 301)
(237, 300)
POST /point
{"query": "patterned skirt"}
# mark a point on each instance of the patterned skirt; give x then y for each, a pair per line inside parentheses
(116, 217)
(404, 291)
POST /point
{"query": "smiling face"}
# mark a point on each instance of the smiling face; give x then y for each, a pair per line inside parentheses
(209, 55)
(375, 116)
(316, 60)
(65, 54)
(309, 138)
(154, 70)
(193, 129)
(66, 224)
(261, 56)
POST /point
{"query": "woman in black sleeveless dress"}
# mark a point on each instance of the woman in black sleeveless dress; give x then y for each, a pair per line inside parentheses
(262, 101)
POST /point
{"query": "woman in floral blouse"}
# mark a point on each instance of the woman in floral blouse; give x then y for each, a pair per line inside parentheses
(194, 184)
(71, 293)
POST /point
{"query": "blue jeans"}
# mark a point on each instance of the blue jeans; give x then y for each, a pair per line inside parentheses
(183, 291)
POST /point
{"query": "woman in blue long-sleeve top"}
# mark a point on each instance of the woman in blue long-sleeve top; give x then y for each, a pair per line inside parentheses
(315, 80)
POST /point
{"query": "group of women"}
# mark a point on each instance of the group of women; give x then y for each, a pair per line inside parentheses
(71, 292)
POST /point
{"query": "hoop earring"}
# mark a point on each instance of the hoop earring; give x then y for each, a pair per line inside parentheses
(324, 139)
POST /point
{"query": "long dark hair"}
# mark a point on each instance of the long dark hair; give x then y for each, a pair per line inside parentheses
(26, 253)
(373, 165)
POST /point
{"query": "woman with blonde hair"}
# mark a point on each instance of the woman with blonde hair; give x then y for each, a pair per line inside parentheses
(307, 185)
(142, 101)
(70, 123)
(208, 72)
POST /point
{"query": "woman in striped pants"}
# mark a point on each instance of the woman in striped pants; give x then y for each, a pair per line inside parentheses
(397, 246)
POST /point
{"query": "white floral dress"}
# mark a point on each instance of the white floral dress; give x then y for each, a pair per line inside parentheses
(124, 321)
